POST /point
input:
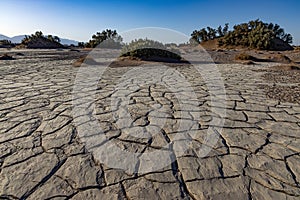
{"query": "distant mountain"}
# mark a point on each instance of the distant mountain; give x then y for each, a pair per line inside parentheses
(68, 41)
(3, 37)
(19, 38)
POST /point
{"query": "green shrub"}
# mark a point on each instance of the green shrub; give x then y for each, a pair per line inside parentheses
(107, 38)
(39, 35)
(209, 33)
(149, 50)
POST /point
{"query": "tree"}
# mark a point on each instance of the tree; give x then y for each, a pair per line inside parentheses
(211, 33)
(25, 40)
(106, 35)
(225, 29)
(203, 34)
(195, 36)
(220, 31)
(288, 38)
(80, 44)
(39, 35)
(254, 34)
(56, 39)
(50, 37)
(208, 34)
(254, 23)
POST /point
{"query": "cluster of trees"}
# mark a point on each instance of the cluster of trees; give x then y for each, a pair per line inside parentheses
(254, 34)
(39, 35)
(209, 33)
(107, 38)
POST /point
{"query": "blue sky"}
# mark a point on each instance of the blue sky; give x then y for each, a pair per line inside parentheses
(79, 19)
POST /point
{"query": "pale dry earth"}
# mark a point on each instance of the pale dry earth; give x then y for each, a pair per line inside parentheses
(44, 156)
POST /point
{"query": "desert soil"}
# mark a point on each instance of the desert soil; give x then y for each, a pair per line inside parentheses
(43, 155)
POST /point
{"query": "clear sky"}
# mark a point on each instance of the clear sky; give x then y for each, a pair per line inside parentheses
(79, 19)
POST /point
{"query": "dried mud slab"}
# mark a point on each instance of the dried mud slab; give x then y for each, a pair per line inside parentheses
(43, 155)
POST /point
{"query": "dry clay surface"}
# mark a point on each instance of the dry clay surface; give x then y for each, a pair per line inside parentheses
(43, 156)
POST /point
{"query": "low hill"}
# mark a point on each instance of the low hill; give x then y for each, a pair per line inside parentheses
(39, 41)
(3, 37)
(280, 45)
(17, 39)
(43, 43)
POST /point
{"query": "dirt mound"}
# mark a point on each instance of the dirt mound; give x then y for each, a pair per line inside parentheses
(267, 57)
(126, 62)
(277, 45)
(43, 43)
(155, 55)
(130, 61)
(280, 45)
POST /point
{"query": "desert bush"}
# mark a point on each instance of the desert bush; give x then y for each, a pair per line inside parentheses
(39, 40)
(209, 33)
(255, 34)
(107, 38)
(141, 44)
(53, 38)
(6, 44)
(149, 49)
(81, 44)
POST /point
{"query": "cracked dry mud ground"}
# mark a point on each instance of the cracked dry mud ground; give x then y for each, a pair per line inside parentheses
(43, 157)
